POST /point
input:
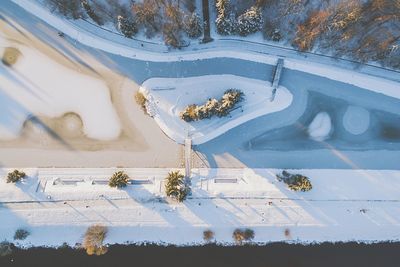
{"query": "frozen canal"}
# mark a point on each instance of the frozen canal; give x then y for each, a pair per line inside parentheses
(364, 129)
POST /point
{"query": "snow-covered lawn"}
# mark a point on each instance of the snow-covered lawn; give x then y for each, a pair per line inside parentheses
(169, 96)
(344, 205)
(38, 86)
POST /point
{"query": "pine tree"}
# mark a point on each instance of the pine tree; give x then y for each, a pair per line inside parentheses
(127, 27)
(91, 13)
(193, 25)
(225, 22)
(176, 186)
(250, 22)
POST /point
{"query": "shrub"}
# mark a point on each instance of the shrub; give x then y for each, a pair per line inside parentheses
(295, 182)
(213, 107)
(141, 100)
(127, 27)
(5, 248)
(208, 235)
(93, 240)
(250, 22)
(10, 56)
(193, 25)
(15, 176)
(21, 234)
(119, 179)
(176, 186)
(240, 235)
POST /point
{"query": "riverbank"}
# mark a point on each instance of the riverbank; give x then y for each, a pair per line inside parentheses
(276, 255)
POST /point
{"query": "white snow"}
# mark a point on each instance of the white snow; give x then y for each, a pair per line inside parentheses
(344, 205)
(320, 127)
(37, 85)
(169, 96)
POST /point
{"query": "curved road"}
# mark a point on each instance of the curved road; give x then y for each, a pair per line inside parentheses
(234, 149)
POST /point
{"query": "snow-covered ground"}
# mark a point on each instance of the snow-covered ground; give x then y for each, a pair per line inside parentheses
(343, 205)
(36, 85)
(170, 96)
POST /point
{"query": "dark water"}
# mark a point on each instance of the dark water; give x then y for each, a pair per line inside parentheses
(273, 255)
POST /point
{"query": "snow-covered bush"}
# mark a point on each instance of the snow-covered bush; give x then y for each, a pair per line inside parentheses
(176, 186)
(119, 179)
(213, 107)
(240, 235)
(21, 234)
(15, 176)
(250, 21)
(91, 13)
(192, 25)
(93, 240)
(127, 27)
(295, 182)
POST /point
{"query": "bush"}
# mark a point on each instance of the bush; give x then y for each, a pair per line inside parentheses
(240, 235)
(5, 248)
(10, 56)
(21, 234)
(15, 176)
(176, 186)
(250, 22)
(213, 107)
(93, 240)
(127, 27)
(141, 100)
(295, 182)
(192, 26)
(119, 179)
(208, 235)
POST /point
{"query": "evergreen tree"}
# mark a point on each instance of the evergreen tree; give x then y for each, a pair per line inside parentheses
(250, 22)
(127, 27)
(176, 186)
(193, 25)
(91, 13)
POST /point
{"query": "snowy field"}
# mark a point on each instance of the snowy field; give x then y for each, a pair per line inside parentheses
(168, 97)
(38, 86)
(343, 205)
